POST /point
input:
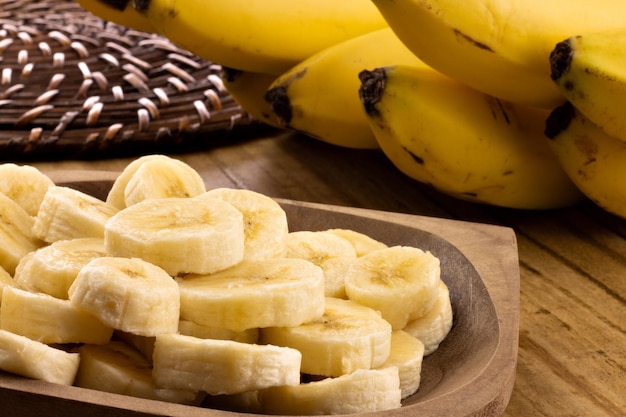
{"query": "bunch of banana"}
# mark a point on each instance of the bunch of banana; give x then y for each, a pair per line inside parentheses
(179, 293)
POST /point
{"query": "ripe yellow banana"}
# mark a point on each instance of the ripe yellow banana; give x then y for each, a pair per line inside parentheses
(594, 160)
(590, 71)
(319, 96)
(121, 12)
(259, 36)
(500, 47)
(463, 142)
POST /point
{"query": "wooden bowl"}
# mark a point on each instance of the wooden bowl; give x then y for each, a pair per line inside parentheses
(470, 374)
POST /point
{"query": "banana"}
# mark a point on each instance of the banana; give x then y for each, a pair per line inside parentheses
(319, 96)
(589, 71)
(53, 268)
(24, 184)
(347, 337)
(128, 294)
(327, 250)
(499, 47)
(190, 328)
(248, 90)
(66, 213)
(119, 368)
(253, 294)
(363, 391)
(29, 358)
(593, 159)
(265, 221)
(401, 282)
(49, 320)
(120, 12)
(463, 142)
(222, 366)
(162, 177)
(179, 234)
(6, 280)
(363, 244)
(433, 327)
(15, 233)
(407, 354)
(267, 37)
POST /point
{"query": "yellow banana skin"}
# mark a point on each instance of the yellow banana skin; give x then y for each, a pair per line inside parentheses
(500, 47)
(260, 36)
(121, 12)
(595, 161)
(319, 97)
(590, 71)
(463, 142)
(248, 90)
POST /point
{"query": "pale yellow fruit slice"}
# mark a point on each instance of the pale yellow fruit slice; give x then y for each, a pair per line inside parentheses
(24, 184)
(222, 366)
(253, 294)
(128, 294)
(181, 235)
(400, 281)
(407, 354)
(15, 234)
(190, 328)
(347, 337)
(363, 244)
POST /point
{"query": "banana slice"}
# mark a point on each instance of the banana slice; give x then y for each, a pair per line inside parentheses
(6, 280)
(407, 354)
(25, 185)
(433, 327)
(46, 319)
(363, 244)
(365, 390)
(53, 268)
(327, 250)
(349, 336)
(29, 358)
(181, 235)
(118, 368)
(222, 366)
(128, 294)
(15, 234)
(66, 213)
(253, 294)
(265, 221)
(190, 328)
(162, 177)
(400, 281)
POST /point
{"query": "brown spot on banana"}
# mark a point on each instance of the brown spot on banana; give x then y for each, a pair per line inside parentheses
(415, 157)
(281, 105)
(473, 41)
(372, 88)
(561, 59)
(559, 119)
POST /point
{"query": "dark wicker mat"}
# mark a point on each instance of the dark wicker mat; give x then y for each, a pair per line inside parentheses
(75, 86)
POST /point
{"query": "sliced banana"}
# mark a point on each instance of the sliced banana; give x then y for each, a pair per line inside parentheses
(53, 268)
(433, 327)
(15, 234)
(363, 391)
(363, 244)
(6, 280)
(29, 358)
(162, 177)
(190, 328)
(222, 366)
(254, 294)
(407, 354)
(24, 184)
(400, 281)
(128, 294)
(181, 235)
(347, 337)
(118, 368)
(49, 320)
(66, 213)
(327, 250)
(265, 221)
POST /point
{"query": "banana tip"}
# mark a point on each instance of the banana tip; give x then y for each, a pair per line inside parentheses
(559, 119)
(560, 59)
(371, 90)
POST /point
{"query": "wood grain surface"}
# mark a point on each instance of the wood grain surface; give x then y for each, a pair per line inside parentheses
(572, 338)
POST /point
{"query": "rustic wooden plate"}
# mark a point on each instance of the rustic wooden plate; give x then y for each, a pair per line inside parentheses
(471, 374)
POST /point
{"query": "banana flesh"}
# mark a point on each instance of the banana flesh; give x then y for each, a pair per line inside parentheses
(16, 229)
(24, 184)
(463, 142)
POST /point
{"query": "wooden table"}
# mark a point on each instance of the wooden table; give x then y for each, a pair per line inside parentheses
(572, 346)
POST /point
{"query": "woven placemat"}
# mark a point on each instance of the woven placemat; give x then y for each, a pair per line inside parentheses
(75, 86)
